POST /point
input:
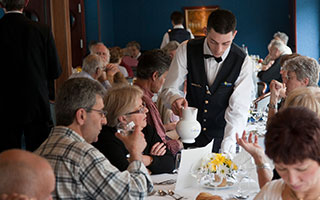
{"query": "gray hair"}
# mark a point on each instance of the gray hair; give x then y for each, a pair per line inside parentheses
(283, 37)
(74, 94)
(153, 61)
(10, 5)
(171, 46)
(278, 45)
(91, 63)
(304, 67)
(120, 100)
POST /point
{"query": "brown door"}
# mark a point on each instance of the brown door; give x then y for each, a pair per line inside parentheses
(78, 34)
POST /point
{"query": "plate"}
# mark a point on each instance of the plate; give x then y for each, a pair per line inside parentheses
(209, 186)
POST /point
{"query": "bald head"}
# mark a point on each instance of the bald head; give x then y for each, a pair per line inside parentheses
(23, 172)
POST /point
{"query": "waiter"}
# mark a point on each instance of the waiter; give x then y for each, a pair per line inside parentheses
(219, 82)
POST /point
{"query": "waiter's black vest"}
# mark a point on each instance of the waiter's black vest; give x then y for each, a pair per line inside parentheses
(213, 100)
(179, 35)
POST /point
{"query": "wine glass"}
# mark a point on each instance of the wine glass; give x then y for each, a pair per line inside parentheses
(240, 175)
(125, 128)
(177, 162)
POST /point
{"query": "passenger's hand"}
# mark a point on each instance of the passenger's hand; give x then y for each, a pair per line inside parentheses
(267, 66)
(158, 149)
(277, 90)
(252, 147)
(112, 69)
(177, 105)
(135, 143)
(170, 126)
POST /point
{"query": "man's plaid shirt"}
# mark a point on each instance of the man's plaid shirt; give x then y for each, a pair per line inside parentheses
(82, 172)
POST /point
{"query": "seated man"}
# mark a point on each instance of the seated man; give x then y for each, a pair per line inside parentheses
(92, 68)
(82, 172)
(151, 73)
(25, 175)
(98, 48)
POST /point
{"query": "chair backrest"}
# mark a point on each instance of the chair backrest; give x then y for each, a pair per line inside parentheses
(262, 88)
(262, 101)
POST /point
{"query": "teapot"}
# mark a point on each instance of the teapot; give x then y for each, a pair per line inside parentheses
(188, 128)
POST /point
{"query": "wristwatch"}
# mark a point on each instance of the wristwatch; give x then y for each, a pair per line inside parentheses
(263, 166)
(272, 106)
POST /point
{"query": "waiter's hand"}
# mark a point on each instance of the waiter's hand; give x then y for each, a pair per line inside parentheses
(177, 105)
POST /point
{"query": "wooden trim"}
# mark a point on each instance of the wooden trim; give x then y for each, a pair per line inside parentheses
(295, 24)
(60, 21)
(99, 22)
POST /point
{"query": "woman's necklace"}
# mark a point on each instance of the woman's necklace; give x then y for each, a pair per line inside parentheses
(292, 194)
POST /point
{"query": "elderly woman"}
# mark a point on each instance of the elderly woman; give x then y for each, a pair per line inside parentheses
(307, 97)
(300, 71)
(124, 104)
(272, 69)
(292, 142)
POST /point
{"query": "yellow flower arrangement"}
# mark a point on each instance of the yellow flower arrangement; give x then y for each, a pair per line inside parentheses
(218, 163)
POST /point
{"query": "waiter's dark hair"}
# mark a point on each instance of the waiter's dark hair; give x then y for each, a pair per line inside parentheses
(222, 21)
(10, 5)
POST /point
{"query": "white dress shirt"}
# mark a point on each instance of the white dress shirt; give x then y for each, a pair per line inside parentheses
(166, 38)
(236, 113)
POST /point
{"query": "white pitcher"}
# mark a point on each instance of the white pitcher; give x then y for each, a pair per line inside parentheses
(188, 127)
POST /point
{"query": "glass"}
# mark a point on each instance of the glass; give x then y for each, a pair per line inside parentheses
(102, 112)
(177, 162)
(139, 111)
(242, 160)
(125, 128)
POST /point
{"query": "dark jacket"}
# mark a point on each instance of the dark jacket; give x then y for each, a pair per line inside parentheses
(115, 151)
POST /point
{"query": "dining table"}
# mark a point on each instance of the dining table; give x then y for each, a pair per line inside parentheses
(165, 184)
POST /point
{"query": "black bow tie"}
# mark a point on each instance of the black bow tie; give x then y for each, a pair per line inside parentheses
(206, 56)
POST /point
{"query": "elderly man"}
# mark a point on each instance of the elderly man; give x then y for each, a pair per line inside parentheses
(151, 73)
(219, 82)
(92, 68)
(82, 172)
(300, 71)
(25, 175)
(110, 70)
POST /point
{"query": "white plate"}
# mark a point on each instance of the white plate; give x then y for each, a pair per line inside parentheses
(209, 186)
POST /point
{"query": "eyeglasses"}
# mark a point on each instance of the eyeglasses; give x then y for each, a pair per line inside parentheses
(289, 77)
(139, 111)
(102, 112)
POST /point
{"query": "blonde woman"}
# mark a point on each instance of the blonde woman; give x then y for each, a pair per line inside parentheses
(124, 104)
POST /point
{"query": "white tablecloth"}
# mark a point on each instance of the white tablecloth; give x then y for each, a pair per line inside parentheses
(249, 187)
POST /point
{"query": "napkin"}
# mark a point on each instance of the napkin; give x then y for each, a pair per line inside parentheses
(188, 158)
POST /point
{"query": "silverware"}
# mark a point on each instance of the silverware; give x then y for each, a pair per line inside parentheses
(166, 182)
(174, 195)
(170, 193)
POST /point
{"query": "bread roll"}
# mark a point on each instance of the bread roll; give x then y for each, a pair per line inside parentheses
(207, 196)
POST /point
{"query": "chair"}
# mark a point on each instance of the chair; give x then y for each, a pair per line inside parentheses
(262, 88)
(262, 101)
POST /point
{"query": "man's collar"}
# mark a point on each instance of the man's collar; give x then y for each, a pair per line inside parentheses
(206, 50)
(14, 11)
(178, 26)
